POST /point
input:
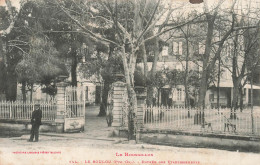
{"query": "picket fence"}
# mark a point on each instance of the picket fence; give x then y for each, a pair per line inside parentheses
(215, 121)
(19, 110)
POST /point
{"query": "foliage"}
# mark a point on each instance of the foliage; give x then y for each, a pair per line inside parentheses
(139, 77)
(40, 64)
(4, 18)
(166, 77)
(175, 77)
(2, 78)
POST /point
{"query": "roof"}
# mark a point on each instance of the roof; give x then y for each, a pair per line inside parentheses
(230, 84)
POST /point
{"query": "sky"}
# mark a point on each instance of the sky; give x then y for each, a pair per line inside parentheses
(210, 2)
(15, 3)
(198, 7)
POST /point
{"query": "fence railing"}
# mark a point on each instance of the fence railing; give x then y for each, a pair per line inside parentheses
(179, 118)
(75, 109)
(23, 110)
(75, 102)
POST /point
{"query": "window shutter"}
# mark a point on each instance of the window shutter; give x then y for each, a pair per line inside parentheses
(201, 48)
(165, 51)
(175, 48)
(180, 48)
(170, 50)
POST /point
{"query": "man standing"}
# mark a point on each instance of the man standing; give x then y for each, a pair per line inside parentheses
(36, 122)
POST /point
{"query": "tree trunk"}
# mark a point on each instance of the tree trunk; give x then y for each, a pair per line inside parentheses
(187, 102)
(142, 47)
(24, 91)
(131, 95)
(218, 92)
(158, 96)
(252, 105)
(11, 86)
(2, 77)
(234, 101)
(11, 79)
(132, 127)
(236, 78)
(149, 99)
(31, 90)
(201, 101)
(103, 105)
(107, 83)
(202, 94)
(1, 48)
(205, 69)
(241, 104)
(74, 67)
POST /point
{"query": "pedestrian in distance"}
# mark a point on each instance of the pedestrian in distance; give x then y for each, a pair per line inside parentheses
(36, 122)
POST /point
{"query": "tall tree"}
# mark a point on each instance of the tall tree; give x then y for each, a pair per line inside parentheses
(40, 62)
(129, 32)
(8, 56)
(243, 42)
(209, 58)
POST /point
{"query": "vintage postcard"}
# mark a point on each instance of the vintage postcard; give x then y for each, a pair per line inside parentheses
(138, 82)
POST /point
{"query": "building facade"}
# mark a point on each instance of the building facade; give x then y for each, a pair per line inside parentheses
(173, 56)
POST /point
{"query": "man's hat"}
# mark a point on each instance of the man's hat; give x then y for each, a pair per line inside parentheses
(37, 105)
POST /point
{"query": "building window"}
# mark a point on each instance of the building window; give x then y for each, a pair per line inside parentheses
(177, 48)
(165, 51)
(180, 48)
(201, 48)
(178, 67)
(211, 97)
(179, 94)
(228, 74)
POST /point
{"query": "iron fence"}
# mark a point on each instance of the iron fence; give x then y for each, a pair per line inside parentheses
(23, 110)
(217, 121)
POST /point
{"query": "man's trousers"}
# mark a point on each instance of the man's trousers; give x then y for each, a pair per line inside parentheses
(35, 132)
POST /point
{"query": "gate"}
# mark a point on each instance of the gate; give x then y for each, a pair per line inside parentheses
(74, 109)
(118, 105)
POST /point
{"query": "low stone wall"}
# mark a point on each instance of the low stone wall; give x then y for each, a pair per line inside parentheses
(182, 139)
(74, 124)
(18, 129)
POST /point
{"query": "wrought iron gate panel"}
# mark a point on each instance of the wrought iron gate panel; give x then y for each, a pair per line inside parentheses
(74, 102)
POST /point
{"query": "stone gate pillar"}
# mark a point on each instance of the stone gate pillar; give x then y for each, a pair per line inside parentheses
(120, 109)
(119, 101)
(60, 112)
(141, 100)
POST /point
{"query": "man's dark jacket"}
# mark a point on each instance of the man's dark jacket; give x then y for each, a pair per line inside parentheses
(36, 117)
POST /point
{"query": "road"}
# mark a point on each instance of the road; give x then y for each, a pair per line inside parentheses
(66, 150)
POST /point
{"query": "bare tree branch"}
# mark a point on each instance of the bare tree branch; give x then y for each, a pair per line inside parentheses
(121, 27)
(172, 28)
(149, 21)
(84, 28)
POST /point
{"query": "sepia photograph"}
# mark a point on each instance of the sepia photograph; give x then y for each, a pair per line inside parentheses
(133, 82)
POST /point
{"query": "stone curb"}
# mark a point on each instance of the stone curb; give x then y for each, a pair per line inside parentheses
(200, 142)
